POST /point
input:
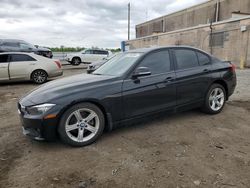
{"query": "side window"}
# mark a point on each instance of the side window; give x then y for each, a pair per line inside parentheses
(104, 52)
(25, 46)
(89, 52)
(21, 57)
(157, 62)
(10, 44)
(3, 58)
(97, 52)
(186, 58)
(203, 59)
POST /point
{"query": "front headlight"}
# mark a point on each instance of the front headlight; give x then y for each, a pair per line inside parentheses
(39, 109)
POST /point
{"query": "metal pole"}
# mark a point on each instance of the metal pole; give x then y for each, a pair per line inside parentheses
(128, 21)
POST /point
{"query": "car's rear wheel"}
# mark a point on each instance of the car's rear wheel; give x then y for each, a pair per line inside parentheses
(215, 99)
(39, 76)
(81, 124)
(76, 61)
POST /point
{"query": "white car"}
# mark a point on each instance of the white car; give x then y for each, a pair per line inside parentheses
(16, 66)
(87, 56)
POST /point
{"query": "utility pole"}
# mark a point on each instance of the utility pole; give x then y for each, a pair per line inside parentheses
(128, 21)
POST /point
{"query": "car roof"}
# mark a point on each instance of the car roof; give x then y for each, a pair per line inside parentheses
(25, 53)
(11, 40)
(145, 50)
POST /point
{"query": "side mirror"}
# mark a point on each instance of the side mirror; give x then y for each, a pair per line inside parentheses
(141, 71)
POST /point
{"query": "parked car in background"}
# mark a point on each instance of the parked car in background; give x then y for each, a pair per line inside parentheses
(13, 45)
(95, 65)
(87, 56)
(137, 84)
(15, 66)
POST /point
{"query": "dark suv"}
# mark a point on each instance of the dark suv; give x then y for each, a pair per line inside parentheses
(137, 84)
(13, 45)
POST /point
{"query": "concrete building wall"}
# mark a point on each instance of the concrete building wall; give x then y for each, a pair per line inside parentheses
(199, 14)
(234, 45)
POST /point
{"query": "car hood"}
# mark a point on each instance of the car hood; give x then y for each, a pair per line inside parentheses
(64, 87)
(43, 49)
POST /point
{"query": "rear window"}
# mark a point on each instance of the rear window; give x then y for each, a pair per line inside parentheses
(21, 57)
(203, 59)
(186, 58)
(3, 58)
(100, 52)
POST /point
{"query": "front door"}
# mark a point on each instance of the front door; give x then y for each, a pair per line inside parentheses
(153, 92)
(4, 67)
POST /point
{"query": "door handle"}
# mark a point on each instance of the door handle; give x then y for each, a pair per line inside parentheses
(206, 70)
(169, 79)
(32, 63)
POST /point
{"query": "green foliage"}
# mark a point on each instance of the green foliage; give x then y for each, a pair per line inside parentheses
(67, 49)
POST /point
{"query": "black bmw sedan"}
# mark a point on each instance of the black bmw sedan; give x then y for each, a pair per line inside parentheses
(138, 83)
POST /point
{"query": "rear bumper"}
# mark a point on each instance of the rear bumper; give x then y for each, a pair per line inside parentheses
(232, 85)
(55, 74)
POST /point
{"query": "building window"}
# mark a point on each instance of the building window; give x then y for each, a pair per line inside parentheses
(217, 39)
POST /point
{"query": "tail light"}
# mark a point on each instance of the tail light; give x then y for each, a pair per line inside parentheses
(233, 67)
(58, 63)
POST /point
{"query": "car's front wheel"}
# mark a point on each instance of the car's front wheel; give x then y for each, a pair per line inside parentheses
(81, 124)
(76, 61)
(215, 99)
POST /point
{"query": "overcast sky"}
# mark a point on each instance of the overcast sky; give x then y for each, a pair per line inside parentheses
(87, 23)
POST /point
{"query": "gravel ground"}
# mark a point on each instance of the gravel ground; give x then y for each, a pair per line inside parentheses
(189, 149)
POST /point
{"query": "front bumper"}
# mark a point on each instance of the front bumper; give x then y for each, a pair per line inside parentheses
(38, 128)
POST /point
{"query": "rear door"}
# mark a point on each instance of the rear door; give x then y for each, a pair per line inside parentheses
(20, 66)
(4, 65)
(154, 92)
(99, 55)
(192, 75)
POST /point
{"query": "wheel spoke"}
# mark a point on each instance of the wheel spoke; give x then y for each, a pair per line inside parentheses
(210, 98)
(71, 127)
(215, 91)
(220, 95)
(80, 135)
(218, 104)
(90, 117)
(90, 128)
(213, 105)
(78, 115)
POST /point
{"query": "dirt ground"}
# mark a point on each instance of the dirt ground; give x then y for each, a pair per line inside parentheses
(189, 149)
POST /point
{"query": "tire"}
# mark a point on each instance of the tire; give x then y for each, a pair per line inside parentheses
(76, 61)
(81, 125)
(215, 99)
(39, 76)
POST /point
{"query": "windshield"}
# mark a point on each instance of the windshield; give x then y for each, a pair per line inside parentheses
(119, 64)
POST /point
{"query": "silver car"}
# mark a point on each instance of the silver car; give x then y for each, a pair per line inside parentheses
(16, 66)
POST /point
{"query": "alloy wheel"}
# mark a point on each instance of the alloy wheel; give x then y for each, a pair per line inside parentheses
(216, 99)
(82, 125)
(39, 76)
